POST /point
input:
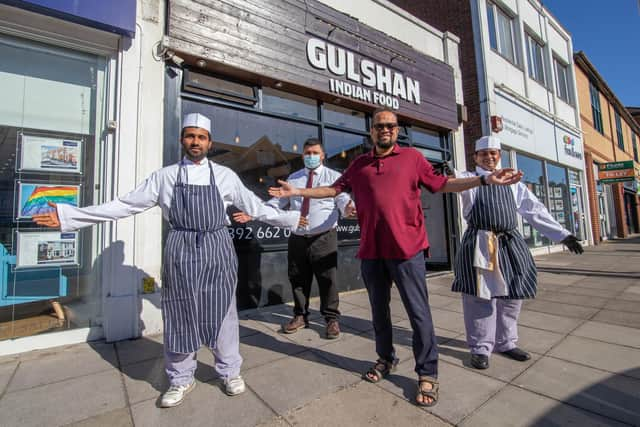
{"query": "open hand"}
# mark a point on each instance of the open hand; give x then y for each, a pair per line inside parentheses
(49, 219)
(505, 176)
(350, 210)
(241, 217)
(285, 190)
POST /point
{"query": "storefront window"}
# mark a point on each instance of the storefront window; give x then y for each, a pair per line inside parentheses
(534, 180)
(50, 116)
(559, 201)
(505, 158)
(578, 221)
(276, 101)
(344, 117)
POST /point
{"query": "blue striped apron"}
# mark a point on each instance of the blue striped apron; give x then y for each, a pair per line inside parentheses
(200, 267)
(495, 209)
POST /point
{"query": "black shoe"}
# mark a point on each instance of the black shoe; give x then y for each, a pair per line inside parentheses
(517, 354)
(479, 361)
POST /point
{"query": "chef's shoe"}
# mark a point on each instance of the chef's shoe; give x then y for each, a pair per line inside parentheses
(176, 394)
(234, 386)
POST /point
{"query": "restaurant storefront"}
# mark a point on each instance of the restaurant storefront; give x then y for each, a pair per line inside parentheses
(310, 71)
(550, 155)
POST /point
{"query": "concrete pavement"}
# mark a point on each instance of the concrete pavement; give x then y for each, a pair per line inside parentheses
(583, 330)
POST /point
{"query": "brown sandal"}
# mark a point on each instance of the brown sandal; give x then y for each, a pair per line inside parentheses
(380, 369)
(432, 394)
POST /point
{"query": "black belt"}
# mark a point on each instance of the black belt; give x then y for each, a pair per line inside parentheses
(310, 236)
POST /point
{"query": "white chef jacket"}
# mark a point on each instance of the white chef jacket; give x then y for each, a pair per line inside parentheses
(527, 204)
(323, 215)
(157, 189)
(490, 280)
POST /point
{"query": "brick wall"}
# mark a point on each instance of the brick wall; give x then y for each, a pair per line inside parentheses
(593, 198)
(621, 215)
(455, 17)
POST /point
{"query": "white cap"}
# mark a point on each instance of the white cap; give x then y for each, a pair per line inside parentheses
(488, 142)
(196, 120)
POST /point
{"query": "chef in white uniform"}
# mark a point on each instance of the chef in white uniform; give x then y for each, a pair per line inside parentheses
(199, 262)
(494, 269)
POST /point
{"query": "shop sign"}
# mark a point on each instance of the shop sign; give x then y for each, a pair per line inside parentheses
(570, 147)
(118, 16)
(361, 78)
(616, 172)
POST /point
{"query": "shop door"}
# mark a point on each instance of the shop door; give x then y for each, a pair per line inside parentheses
(577, 209)
(605, 229)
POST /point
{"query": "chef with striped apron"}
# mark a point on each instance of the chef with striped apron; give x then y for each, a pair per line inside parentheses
(200, 264)
(494, 269)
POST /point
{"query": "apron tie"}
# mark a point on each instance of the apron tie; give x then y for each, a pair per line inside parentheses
(199, 233)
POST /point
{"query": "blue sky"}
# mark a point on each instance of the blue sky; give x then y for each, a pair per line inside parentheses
(608, 31)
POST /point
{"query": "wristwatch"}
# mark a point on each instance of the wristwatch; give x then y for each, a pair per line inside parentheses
(483, 180)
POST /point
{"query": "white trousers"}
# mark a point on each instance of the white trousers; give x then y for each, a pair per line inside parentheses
(492, 325)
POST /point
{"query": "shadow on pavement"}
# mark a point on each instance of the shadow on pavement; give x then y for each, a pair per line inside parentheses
(617, 398)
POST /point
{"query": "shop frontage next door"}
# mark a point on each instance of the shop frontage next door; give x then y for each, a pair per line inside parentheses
(259, 133)
(631, 209)
(577, 206)
(51, 116)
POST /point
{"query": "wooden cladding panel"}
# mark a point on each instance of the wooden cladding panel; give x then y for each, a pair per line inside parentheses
(269, 37)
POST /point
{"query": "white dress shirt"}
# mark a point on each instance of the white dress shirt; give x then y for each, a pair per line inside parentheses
(157, 189)
(323, 213)
(527, 204)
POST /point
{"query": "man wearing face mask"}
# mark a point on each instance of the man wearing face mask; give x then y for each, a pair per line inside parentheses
(313, 248)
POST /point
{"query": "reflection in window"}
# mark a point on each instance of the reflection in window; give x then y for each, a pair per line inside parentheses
(344, 117)
(559, 203)
(505, 158)
(425, 137)
(259, 148)
(562, 81)
(342, 147)
(275, 101)
(534, 180)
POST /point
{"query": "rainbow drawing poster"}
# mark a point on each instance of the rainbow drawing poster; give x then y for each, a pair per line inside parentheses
(33, 198)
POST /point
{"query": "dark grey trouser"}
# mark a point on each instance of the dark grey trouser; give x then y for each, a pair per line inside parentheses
(410, 278)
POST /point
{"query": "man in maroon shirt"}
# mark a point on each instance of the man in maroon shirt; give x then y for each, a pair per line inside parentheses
(385, 185)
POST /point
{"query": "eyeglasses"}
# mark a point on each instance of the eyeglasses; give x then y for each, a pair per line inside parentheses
(383, 126)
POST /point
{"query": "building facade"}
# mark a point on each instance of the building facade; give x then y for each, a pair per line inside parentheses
(80, 122)
(519, 84)
(611, 136)
(269, 74)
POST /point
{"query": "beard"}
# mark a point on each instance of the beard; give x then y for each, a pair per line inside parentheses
(385, 144)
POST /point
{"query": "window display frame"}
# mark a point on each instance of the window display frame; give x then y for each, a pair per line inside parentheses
(27, 139)
(21, 251)
(20, 184)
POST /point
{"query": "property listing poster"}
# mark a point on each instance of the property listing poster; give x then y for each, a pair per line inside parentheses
(46, 248)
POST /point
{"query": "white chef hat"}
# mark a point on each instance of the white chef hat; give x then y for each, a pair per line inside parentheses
(196, 120)
(488, 142)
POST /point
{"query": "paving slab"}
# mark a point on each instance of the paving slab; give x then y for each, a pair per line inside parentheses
(514, 407)
(362, 405)
(598, 354)
(566, 310)
(501, 368)
(69, 362)
(455, 306)
(134, 351)
(403, 334)
(563, 297)
(206, 405)
(552, 280)
(578, 290)
(64, 402)
(610, 395)
(315, 335)
(624, 318)
(548, 322)
(623, 305)
(615, 334)
(117, 418)
(615, 285)
(265, 347)
(440, 301)
(537, 340)
(359, 298)
(461, 391)
(6, 372)
(315, 376)
(446, 319)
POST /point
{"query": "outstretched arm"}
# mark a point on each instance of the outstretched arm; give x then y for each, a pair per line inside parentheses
(498, 177)
(70, 218)
(287, 190)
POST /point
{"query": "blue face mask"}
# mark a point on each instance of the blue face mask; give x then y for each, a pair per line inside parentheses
(312, 161)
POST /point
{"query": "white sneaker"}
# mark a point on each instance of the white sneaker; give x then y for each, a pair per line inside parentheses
(176, 394)
(234, 386)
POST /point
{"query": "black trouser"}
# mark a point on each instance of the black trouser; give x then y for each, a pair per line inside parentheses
(314, 256)
(409, 276)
